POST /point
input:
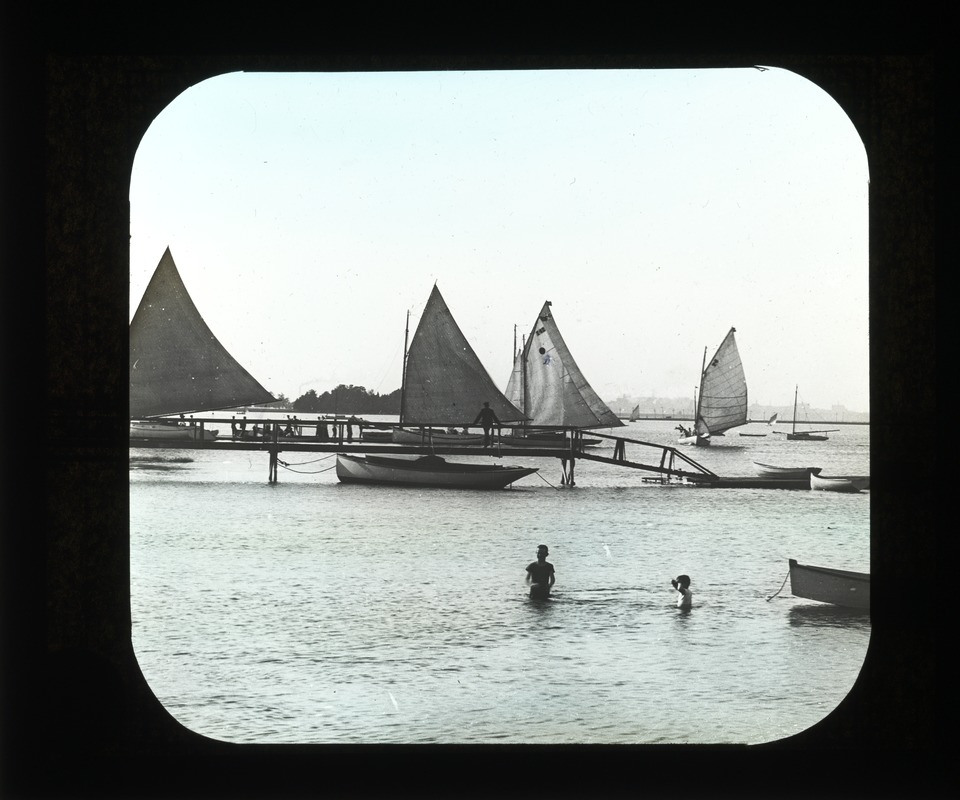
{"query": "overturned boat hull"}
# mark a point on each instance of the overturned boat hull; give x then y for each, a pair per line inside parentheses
(793, 473)
(426, 471)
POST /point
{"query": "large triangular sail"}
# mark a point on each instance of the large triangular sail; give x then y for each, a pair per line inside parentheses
(549, 387)
(722, 403)
(444, 382)
(177, 365)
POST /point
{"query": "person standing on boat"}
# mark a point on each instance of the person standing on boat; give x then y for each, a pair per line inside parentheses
(682, 584)
(541, 575)
(486, 419)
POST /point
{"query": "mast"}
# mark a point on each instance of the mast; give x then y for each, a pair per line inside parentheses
(696, 401)
(795, 390)
(403, 372)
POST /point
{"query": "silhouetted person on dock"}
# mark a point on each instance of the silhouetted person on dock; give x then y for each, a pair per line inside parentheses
(541, 575)
(682, 584)
(322, 434)
(486, 419)
(350, 423)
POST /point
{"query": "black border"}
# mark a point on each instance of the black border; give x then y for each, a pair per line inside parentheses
(78, 719)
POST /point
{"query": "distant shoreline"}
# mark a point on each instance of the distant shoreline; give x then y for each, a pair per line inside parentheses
(781, 423)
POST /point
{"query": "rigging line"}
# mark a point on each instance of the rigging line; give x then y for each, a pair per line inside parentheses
(300, 464)
(781, 587)
(306, 471)
(547, 482)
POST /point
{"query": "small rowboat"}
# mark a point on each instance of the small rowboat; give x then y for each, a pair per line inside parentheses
(838, 484)
(168, 430)
(839, 587)
(426, 471)
(791, 473)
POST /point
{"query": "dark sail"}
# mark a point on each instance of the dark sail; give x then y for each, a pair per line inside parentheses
(445, 383)
(176, 363)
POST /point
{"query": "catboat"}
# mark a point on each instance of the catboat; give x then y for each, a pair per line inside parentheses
(546, 384)
(789, 473)
(722, 401)
(806, 436)
(426, 471)
(836, 586)
(177, 365)
(847, 484)
(443, 385)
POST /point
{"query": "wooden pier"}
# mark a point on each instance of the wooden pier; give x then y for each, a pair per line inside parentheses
(667, 463)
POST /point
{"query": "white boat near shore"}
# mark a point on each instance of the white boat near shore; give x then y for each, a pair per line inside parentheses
(838, 587)
(849, 484)
(426, 471)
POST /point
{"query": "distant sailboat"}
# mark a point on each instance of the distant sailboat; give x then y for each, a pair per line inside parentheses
(177, 365)
(722, 403)
(547, 385)
(805, 436)
(635, 414)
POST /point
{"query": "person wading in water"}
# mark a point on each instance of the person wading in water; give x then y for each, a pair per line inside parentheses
(541, 574)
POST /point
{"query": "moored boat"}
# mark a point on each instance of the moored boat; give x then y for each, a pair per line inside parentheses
(847, 484)
(428, 436)
(805, 436)
(169, 430)
(770, 471)
(835, 586)
(426, 471)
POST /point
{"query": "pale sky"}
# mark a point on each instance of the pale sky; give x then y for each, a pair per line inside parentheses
(308, 212)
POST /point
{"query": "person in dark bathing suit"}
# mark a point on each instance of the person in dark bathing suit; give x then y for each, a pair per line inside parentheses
(541, 574)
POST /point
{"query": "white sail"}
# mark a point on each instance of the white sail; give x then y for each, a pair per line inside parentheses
(548, 386)
(722, 403)
(444, 382)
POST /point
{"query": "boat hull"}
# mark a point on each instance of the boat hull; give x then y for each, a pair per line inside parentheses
(696, 440)
(792, 473)
(850, 485)
(807, 437)
(426, 471)
(154, 431)
(835, 586)
(404, 436)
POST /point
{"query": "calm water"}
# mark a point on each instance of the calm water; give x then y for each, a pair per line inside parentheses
(310, 611)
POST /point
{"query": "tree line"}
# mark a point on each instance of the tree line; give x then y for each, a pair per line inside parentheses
(348, 399)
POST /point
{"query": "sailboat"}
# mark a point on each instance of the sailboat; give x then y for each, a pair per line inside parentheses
(547, 385)
(805, 436)
(177, 365)
(722, 403)
(443, 384)
(635, 414)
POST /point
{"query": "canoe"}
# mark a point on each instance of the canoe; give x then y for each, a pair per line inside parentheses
(793, 473)
(838, 484)
(166, 431)
(839, 587)
(426, 471)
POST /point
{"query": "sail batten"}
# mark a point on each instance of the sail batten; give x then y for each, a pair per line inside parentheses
(177, 365)
(722, 403)
(444, 382)
(549, 387)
